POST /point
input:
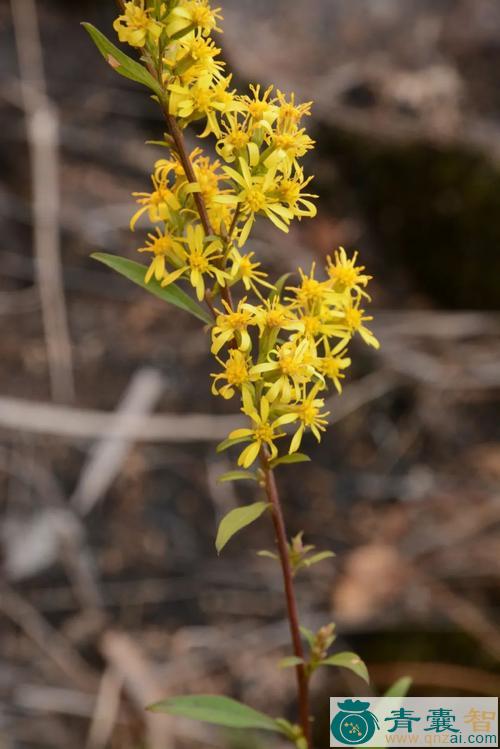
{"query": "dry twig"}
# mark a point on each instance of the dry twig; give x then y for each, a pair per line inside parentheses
(43, 140)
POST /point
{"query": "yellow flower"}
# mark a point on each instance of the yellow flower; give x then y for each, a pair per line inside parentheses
(293, 363)
(135, 26)
(246, 271)
(162, 246)
(234, 139)
(311, 294)
(199, 259)
(290, 193)
(159, 204)
(232, 325)
(290, 114)
(345, 275)
(208, 176)
(195, 57)
(353, 321)
(310, 416)
(164, 168)
(191, 14)
(319, 325)
(236, 374)
(256, 195)
(202, 99)
(262, 109)
(264, 431)
(287, 148)
(272, 315)
(332, 363)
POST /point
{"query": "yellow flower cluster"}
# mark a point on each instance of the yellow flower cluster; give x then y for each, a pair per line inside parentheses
(258, 138)
(282, 354)
(278, 350)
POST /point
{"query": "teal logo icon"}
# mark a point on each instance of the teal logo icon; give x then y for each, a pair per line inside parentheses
(354, 723)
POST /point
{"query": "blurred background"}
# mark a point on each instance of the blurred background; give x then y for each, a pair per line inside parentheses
(111, 594)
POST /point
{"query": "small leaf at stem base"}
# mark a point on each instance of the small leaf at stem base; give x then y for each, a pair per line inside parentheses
(218, 710)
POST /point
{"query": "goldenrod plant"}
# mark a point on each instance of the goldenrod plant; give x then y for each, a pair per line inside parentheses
(277, 345)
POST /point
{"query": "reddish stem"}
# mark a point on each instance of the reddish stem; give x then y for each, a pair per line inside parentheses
(291, 601)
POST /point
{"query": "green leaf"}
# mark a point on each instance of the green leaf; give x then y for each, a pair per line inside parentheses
(227, 443)
(400, 688)
(292, 458)
(237, 519)
(308, 562)
(348, 660)
(136, 271)
(278, 286)
(221, 711)
(237, 476)
(309, 635)
(289, 661)
(121, 62)
(268, 554)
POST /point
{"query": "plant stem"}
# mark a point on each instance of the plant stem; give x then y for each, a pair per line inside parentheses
(270, 482)
(180, 146)
(291, 601)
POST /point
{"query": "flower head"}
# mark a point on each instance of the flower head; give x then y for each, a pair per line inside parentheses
(193, 14)
(135, 26)
(263, 433)
(353, 320)
(232, 325)
(199, 259)
(159, 204)
(247, 271)
(310, 416)
(236, 375)
(292, 364)
(164, 247)
(256, 194)
(345, 275)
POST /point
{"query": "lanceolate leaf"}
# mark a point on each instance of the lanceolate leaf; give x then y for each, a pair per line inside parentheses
(400, 688)
(290, 660)
(227, 443)
(348, 660)
(237, 476)
(121, 62)
(237, 519)
(268, 554)
(135, 272)
(319, 557)
(221, 711)
(278, 287)
(309, 635)
(292, 458)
